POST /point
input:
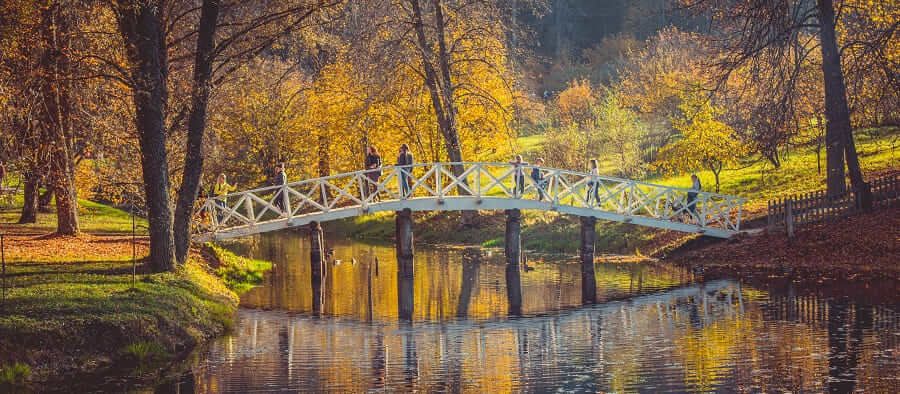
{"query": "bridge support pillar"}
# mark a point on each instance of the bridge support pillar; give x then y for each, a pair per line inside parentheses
(513, 237)
(405, 272)
(514, 261)
(317, 264)
(588, 281)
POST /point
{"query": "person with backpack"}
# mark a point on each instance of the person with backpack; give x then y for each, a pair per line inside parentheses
(696, 186)
(405, 161)
(373, 165)
(538, 177)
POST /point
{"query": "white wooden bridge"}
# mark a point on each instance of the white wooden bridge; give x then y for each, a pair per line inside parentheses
(479, 186)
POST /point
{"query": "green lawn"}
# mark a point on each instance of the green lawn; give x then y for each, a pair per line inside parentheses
(760, 182)
(64, 315)
(531, 144)
(94, 218)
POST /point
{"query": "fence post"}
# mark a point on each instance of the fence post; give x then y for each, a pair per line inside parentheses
(3, 261)
(789, 217)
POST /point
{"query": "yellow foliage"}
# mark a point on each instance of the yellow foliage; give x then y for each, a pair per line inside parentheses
(576, 102)
(706, 142)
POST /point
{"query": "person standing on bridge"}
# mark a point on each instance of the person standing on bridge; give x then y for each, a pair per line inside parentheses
(593, 184)
(538, 177)
(279, 178)
(519, 174)
(220, 190)
(373, 164)
(405, 161)
(692, 196)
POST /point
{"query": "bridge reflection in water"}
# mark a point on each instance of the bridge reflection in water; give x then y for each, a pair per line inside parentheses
(652, 329)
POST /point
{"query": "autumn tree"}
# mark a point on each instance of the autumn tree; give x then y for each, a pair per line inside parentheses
(705, 141)
(40, 43)
(764, 34)
(228, 36)
(622, 134)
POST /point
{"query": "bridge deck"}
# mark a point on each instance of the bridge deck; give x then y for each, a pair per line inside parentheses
(466, 186)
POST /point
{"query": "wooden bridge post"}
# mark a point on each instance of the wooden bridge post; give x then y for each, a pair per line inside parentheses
(513, 239)
(405, 271)
(317, 264)
(513, 261)
(588, 281)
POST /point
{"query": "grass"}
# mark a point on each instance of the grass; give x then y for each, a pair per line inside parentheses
(57, 313)
(71, 306)
(14, 374)
(760, 182)
(239, 273)
(530, 145)
(143, 352)
(94, 218)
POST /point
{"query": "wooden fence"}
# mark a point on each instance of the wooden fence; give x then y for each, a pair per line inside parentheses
(808, 208)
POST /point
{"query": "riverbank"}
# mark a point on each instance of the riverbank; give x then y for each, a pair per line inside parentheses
(864, 248)
(72, 313)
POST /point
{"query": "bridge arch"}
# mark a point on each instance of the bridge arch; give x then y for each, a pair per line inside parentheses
(466, 186)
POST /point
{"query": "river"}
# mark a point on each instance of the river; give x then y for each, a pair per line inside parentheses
(653, 328)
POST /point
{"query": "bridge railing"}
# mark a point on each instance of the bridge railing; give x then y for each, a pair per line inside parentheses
(445, 182)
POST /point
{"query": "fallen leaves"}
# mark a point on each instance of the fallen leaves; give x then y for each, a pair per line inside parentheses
(856, 248)
(85, 247)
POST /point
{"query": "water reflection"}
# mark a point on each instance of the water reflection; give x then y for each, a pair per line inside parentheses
(651, 330)
(366, 283)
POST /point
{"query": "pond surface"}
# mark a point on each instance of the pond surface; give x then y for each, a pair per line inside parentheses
(652, 329)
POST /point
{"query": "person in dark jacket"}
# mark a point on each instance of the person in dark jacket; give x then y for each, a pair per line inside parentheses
(538, 177)
(405, 161)
(373, 164)
(279, 178)
(692, 196)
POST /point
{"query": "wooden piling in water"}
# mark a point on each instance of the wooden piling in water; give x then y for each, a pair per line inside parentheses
(513, 244)
(317, 264)
(513, 249)
(405, 274)
(586, 251)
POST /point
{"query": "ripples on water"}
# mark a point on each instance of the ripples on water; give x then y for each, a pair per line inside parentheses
(652, 330)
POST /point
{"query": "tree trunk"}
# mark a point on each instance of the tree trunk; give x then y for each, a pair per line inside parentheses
(193, 160)
(819, 159)
(716, 173)
(440, 88)
(30, 205)
(141, 28)
(56, 112)
(46, 198)
(838, 133)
